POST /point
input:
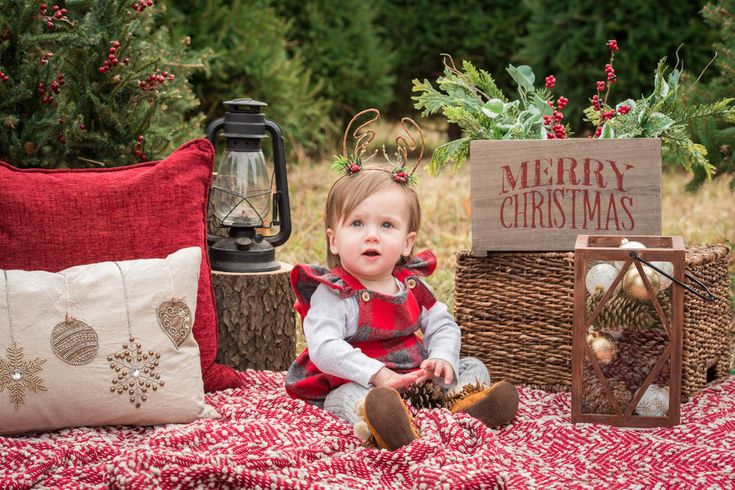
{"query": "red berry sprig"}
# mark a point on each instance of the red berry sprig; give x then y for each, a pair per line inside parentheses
(599, 102)
(111, 60)
(47, 96)
(153, 81)
(3, 77)
(400, 176)
(58, 15)
(46, 57)
(141, 5)
(554, 128)
(139, 149)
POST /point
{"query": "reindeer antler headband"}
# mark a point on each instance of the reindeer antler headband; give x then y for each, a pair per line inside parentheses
(350, 164)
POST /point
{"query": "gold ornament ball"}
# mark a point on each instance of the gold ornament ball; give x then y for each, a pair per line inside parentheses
(633, 283)
(603, 348)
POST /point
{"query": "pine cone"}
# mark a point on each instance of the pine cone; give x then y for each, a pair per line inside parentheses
(594, 399)
(426, 394)
(466, 391)
(29, 147)
(622, 310)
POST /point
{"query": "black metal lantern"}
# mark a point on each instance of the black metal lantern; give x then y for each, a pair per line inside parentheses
(242, 195)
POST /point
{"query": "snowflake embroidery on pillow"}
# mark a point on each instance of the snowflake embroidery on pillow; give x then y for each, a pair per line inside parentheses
(18, 375)
(135, 372)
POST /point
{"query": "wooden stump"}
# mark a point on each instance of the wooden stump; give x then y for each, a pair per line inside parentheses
(257, 322)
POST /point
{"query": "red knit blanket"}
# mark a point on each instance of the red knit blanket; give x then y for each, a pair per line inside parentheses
(265, 439)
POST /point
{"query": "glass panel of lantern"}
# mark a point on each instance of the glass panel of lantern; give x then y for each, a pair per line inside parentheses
(626, 366)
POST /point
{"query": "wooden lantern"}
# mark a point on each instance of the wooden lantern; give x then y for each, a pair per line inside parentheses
(627, 339)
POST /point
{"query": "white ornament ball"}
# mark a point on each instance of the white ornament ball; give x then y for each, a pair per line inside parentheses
(600, 277)
(654, 402)
(631, 244)
(625, 243)
(668, 268)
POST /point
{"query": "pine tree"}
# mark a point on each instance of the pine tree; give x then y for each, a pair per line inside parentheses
(91, 83)
(340, 41)
(248, 57)
(717, 137)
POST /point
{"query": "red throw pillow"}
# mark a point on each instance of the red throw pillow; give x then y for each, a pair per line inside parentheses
(54, 219)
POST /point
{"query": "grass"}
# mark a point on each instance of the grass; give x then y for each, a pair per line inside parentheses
(704, 217)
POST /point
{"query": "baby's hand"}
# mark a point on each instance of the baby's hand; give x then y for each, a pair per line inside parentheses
(436, 368)
(392, 379)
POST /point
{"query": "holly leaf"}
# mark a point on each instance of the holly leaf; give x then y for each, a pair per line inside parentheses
(657, 123)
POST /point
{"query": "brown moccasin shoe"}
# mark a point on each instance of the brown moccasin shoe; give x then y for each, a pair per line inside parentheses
(388, 419)
(493, 406)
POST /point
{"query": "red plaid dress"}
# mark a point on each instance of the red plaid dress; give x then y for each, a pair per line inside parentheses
(386, 325)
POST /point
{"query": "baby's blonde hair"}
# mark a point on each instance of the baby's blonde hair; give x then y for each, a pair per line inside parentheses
(349, 191)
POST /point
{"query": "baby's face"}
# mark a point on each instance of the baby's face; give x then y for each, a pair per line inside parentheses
(374, 236)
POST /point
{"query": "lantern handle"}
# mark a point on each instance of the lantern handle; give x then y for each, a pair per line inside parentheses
(282, 204)
(213, 127)
(700, 285)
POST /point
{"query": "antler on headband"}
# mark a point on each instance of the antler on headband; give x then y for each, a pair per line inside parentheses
(351, 164)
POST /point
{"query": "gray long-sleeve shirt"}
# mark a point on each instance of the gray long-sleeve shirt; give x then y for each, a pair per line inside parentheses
(332, 320)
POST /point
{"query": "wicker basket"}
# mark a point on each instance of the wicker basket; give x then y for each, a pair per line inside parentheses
(516, 309)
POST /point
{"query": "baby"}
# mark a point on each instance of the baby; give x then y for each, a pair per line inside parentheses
(361, 317)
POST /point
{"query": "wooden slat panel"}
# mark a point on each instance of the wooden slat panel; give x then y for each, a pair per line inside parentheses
(540, 194)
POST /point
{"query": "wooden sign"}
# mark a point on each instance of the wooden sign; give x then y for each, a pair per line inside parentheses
(540, 194)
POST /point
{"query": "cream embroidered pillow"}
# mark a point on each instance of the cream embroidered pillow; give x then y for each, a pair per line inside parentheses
(101, 344)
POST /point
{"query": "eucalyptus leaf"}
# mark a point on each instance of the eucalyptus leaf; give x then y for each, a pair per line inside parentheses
(512, 106)
(489, 113)
(520, 77)
(674, 78)
(661, 88)
(493, 108)
(528, 73)
(542, 106)
(607, 131)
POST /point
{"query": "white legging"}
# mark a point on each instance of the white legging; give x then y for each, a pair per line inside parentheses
(340, 401)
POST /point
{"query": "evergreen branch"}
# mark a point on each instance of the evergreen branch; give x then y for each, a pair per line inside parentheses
(455, 151)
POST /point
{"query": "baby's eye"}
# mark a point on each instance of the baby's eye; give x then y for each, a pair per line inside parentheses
(356, 223)
(387, 224)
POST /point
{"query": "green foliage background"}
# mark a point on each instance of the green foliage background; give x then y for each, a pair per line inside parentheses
(247, 56)
(318, 62)
(718, 138)
(488, 34)
(568, 39)
(342, 42)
